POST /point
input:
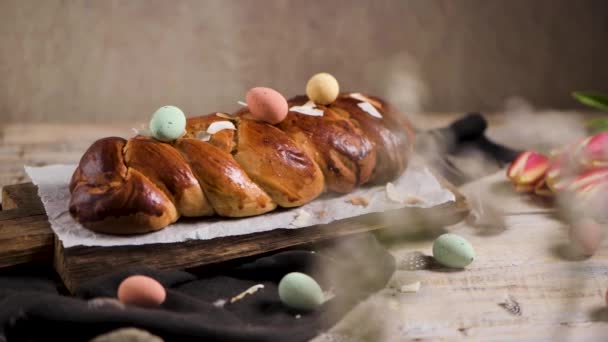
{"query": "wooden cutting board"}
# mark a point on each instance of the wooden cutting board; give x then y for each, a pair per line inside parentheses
(26, 236)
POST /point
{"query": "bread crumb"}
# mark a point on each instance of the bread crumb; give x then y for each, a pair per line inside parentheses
(413, 287)
(413, 200)
(302, 218)
(358, 200)
(392, 194)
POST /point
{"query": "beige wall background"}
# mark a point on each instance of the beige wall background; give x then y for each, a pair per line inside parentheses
(93, 61)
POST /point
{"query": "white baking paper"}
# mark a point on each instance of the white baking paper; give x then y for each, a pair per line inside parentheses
(416, 182)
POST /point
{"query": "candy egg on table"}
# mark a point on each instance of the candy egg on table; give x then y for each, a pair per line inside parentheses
(140, 290)
(266, 104)
(322, 88)
(587, 235)
(452, 250)
(300, 291)
(168, 123)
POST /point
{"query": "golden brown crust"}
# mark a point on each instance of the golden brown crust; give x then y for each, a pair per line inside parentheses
(224, 139)
(167, 169)
(277, 164)
(142, 185)
(231, 192)
(107, 189)
(391, 135)
(345, 155)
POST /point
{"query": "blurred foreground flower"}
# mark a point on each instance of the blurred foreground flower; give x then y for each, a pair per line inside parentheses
(593, 151)
(527, 170)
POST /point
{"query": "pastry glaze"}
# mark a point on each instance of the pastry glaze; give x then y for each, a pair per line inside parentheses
(142, 184)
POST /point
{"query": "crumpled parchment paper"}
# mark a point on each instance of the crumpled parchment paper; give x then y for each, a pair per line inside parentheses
(417, 182)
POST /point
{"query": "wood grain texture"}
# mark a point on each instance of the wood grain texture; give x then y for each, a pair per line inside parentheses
(23, 196)
(25, 235)
(560, 293)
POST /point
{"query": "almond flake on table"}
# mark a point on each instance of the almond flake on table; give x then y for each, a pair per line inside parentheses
(413, 287)
(307, 109)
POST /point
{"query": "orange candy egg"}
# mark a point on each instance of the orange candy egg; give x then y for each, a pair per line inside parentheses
(267, 105)
(141, 291)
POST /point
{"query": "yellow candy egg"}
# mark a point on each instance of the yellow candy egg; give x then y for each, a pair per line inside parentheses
(322, 88)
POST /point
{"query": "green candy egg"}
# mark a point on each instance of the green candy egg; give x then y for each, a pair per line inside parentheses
(299, 291)
(452, 250)
(168, 123)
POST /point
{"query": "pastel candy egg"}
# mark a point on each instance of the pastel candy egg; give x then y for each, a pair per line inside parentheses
(299, 291)
(452, 250)
(127, 334)
(587, 235)
(141, 291)
(168, 123)
(322, 88)
(267, 105)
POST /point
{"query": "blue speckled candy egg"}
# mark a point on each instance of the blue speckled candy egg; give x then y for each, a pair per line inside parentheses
(453, 250)
(168, 123)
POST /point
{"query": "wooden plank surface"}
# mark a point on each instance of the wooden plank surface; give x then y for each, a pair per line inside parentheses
(560, 293)
(25, 236)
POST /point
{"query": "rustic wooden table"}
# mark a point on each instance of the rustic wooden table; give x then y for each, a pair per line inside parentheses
(560, 295)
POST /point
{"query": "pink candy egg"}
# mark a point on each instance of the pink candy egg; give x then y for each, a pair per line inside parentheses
(587, 235)
(267, 105)
(141, 291)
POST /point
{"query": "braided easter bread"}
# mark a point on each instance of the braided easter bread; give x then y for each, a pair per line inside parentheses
(142, 184)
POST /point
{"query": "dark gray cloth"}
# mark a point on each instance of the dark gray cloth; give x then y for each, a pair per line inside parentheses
(33, 309)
